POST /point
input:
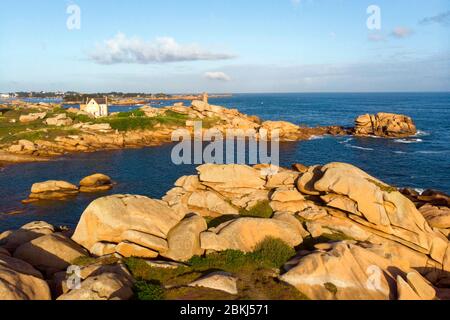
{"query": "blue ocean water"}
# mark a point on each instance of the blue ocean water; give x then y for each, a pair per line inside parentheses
(420, 162)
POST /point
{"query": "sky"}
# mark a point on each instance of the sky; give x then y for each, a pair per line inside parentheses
(178, 46)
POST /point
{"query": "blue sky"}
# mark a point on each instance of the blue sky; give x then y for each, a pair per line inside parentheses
(225, 46)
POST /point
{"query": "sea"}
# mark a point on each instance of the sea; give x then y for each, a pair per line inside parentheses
(419, 162)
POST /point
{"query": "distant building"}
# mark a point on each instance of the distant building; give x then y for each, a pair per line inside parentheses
(4, 96)
(98, 107)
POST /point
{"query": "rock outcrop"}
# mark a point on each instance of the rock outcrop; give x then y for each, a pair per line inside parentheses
(222, 281)
(12, 239)
(100, 136)
(112, 220)
(52, 190)
(385, 125)
(32, 117)
(184, 239)
(50, 253)
(96, 182)
(59, 120)
(362, 239)
(20, 281)
(245, 234)
(102, 283)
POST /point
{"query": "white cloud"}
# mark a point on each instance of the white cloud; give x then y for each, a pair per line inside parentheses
(218, 75)
(122, 49)
(401, 32)
(442, 18)
(296, 3)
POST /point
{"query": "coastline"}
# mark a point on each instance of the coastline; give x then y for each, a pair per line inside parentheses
(75, 132)
(192, 230)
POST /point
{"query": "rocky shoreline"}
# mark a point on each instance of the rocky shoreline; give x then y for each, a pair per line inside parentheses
(239, 232)
(94, 136)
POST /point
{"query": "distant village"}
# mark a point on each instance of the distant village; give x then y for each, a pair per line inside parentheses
(79, 97)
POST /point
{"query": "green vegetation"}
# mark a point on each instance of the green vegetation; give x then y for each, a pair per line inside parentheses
(145, 290)
(136, 120)
(254, 270)
(330, 287)
(261, 210)
(83, 261)
(128, 114)
(36, 130)
(273, 253)
(12, 130)
(383, 187)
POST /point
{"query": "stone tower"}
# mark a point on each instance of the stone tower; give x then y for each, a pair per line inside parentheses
(205, 97)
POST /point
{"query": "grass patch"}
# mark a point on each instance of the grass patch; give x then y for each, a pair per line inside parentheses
(208, 123)
(130, 114)
(261, 210)
(83, 261)
(40, 133)
(148, 290)
(131, 123)
(36, 130)
(80, 118)
(273, 253)
(254, 271)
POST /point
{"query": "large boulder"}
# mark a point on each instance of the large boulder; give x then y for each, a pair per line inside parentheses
(128, 249)
(219, 280)
(245, 234)
(184, 238)
(52, 190)
(438, 217)
(50, 253)
(105, 286)
(32, 117)
(11, 240)
(109, 219)
(96, 182)
(375, 206)
(20, 281)
(231, 178)
(59, 120)
(385, 125)
(209, 203)
(285, 130)
(346, 272)
(415, 288)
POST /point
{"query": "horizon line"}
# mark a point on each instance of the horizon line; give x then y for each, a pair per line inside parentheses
(230, 93)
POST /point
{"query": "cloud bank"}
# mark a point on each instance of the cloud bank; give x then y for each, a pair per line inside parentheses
(442, 18)
(221, 76)
(122, 49)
